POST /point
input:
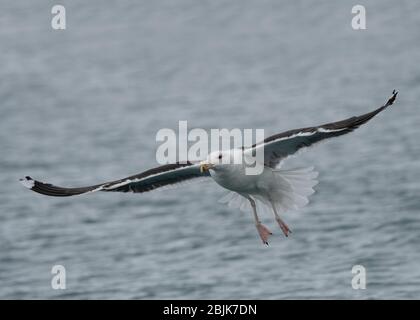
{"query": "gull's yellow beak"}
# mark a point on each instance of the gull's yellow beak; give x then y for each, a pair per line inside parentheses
(205, 167)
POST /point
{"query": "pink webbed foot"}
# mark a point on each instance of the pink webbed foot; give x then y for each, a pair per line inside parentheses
(284, 227)
(263, 232)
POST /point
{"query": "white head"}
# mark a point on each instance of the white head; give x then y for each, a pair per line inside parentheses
(218, 160)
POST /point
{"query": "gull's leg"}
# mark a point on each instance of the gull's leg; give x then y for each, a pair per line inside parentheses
(283, 226)
(262, 229)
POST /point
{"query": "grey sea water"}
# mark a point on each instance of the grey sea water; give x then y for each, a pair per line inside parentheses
(83, 105)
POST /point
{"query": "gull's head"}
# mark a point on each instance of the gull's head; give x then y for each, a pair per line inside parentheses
(216, 160)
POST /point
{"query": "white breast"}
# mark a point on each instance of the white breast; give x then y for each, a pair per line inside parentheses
(233, 177)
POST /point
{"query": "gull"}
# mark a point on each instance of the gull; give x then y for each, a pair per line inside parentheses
(273, 189)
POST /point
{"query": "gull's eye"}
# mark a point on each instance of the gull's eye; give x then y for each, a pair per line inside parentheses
(220, 156)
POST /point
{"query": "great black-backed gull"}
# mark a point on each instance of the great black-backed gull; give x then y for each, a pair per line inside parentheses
(274, 189)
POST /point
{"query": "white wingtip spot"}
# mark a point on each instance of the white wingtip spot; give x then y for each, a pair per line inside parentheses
(27, 182)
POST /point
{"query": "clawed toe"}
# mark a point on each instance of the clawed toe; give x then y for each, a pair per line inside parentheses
(284, 227)
(263, 232)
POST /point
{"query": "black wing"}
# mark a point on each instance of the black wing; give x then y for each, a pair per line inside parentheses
(282, 145)
(165, 175)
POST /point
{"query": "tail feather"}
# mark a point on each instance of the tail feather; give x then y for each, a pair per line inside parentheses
(295, 184)
(291, 192)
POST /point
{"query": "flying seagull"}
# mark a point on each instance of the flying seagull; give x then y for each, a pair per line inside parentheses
(274, 189)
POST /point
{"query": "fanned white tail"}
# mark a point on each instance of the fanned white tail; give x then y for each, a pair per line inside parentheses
(290, 191)
(295, 186)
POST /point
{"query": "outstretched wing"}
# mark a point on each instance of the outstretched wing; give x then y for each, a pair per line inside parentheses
(166, 175)
(282, 145)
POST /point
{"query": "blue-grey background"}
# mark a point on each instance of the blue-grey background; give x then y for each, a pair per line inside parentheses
(83, 105)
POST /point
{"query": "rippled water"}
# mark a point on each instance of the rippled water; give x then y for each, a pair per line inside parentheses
(83, 106)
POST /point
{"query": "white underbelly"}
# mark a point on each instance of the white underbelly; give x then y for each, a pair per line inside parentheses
(237, 180)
